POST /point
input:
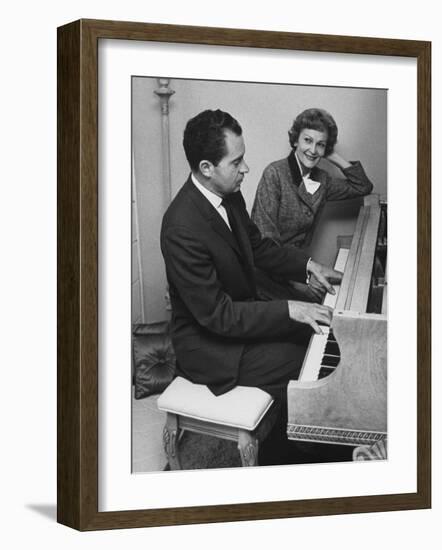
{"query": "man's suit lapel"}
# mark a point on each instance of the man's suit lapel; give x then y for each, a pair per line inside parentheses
(243, 237)
(243, 249)
(242, 234)
(212, 216)
(219, 225)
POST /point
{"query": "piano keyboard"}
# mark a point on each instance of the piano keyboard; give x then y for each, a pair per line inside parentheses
(322, 356)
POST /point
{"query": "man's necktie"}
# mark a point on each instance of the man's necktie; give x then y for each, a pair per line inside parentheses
(240, 235)
(233, 224)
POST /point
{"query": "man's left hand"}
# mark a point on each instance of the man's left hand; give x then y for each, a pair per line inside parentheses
(316, 288)
(324, 276)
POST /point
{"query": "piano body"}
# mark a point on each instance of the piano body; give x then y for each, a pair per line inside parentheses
(341, 394)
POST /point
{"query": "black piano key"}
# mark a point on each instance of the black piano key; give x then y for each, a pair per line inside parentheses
(325, 371)
(330, 360)
(332, 348)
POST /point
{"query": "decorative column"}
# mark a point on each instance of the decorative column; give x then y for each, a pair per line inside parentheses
(164, 93)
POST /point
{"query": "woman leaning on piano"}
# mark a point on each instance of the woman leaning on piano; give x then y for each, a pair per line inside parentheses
(293, 191)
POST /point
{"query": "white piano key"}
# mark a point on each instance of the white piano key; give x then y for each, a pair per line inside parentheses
(313, 358)
(341, 260)
(312, 362)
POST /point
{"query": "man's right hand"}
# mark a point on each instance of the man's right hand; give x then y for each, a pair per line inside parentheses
(310, 314)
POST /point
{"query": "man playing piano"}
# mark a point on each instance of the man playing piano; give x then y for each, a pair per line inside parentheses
(223, 334)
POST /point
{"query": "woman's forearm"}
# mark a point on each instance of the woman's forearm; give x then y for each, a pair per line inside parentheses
(338, 161)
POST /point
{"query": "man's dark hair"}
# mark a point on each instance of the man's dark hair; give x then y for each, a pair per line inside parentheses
(315, 119)
(204, 137)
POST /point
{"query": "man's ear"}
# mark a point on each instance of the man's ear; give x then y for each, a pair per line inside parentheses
(206, 168)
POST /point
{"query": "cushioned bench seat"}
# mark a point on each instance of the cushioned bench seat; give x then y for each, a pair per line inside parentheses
(244, 414)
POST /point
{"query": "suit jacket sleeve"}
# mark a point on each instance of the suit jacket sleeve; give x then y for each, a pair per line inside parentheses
(285, 261)
(266, 205)
(191, 271)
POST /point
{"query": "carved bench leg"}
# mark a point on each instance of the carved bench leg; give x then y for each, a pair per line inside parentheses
(248, 448)
(170, 441)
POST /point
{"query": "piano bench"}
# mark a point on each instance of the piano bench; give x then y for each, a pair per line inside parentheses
(244, 414)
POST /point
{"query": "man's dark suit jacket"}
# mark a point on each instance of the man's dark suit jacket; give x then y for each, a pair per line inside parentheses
(211, 284)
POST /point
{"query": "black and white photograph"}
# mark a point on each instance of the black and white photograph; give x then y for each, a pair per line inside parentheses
(259, 274)
(218, 255)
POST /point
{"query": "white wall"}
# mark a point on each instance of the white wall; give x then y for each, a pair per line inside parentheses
(28, 280)
(151, 196)
(265, 112)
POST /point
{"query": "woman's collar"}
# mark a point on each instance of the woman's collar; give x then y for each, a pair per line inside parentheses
(295, 169)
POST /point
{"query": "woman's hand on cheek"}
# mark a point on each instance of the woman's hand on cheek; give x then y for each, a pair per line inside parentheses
(336, 159)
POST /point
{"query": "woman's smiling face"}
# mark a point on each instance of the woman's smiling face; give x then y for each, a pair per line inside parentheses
(310, 147)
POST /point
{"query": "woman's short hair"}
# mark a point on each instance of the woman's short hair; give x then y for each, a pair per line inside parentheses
(315, 119)
(204, 136)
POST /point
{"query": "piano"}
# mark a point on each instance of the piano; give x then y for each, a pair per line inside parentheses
(340, 396)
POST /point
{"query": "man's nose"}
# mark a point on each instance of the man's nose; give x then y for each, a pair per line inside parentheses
(244, 167)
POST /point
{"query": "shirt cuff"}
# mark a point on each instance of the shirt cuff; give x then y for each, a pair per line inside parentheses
(307, 274)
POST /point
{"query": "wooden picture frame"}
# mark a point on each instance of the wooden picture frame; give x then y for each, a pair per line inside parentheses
(77, 224)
